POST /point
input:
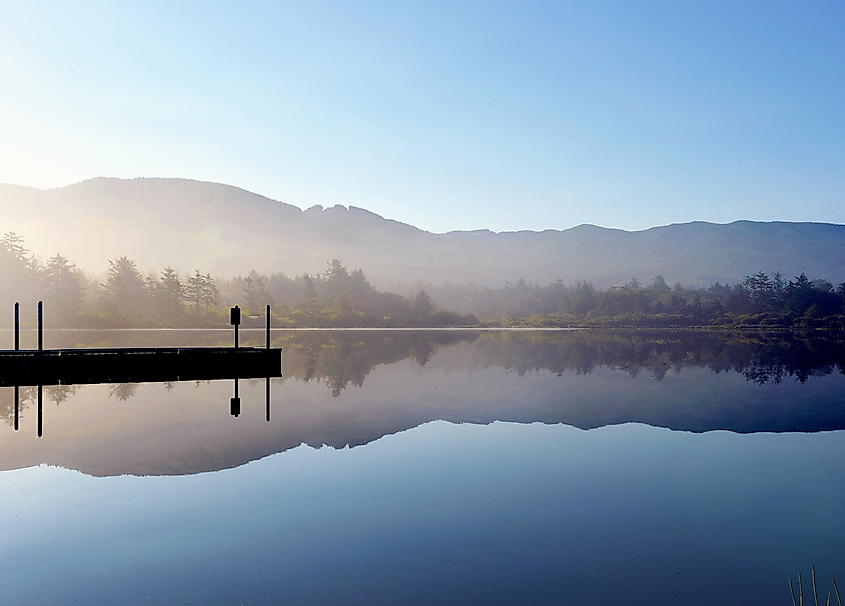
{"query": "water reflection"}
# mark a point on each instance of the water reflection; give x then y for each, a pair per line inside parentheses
(23, 397)
(351, 388)
(123, 391)
(466, 511)
(35, 394)
(235, 404)
(340, 359)
(343, 358)
(447, 514)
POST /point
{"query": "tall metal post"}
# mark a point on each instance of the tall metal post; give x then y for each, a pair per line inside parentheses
(17, 405)
(268, 327)
(267, 399)
(40, 326)
(40, 410)
(17, 326)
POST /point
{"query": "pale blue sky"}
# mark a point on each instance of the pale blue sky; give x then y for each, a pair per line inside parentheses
(457, 115)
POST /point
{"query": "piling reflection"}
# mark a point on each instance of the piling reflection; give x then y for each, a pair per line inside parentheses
(122, 392)
(267, 398)
(235, 403)
(35, 394)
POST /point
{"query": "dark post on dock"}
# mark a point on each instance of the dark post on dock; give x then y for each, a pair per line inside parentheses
(17, 326)
(268, 327)
(235, 319)
(40, 326)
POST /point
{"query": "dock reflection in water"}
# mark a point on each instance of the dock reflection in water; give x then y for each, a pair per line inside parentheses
(122, 391)
(469, 479)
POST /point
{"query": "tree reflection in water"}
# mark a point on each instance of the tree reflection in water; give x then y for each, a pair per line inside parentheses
(59, 394)
(123, 391)
(343, 358)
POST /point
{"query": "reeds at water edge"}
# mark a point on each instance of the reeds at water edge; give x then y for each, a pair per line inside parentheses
(800, 601)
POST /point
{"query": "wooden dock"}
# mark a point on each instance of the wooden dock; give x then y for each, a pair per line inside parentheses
(136, 365)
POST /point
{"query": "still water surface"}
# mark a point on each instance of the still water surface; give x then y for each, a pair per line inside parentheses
(537, 468)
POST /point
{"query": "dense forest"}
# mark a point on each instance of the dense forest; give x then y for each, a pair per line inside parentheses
(339, 297)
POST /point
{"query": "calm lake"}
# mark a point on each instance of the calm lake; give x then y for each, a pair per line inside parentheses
(447, 467)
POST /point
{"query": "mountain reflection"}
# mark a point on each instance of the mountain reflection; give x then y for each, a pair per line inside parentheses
(349, 388)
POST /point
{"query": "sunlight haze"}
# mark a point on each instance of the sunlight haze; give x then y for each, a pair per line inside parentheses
(458, 116)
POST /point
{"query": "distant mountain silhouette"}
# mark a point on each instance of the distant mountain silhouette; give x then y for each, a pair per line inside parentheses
(228, 231)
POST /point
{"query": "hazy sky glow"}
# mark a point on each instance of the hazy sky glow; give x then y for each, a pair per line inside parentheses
(464, 115)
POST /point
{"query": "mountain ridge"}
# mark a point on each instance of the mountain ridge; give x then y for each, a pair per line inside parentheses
(228, 231)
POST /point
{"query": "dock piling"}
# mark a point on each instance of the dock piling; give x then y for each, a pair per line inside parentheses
(17, 326)
(268, 328)
(40, 326)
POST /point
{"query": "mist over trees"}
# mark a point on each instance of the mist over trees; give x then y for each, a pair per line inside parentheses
(336, 297)
(339, 297)
(127, 298)
(767, 300)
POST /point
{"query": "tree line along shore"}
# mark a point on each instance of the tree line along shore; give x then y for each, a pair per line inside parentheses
(339, 297)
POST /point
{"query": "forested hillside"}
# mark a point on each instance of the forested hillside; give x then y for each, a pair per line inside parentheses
(227, 231)
(340, 297)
